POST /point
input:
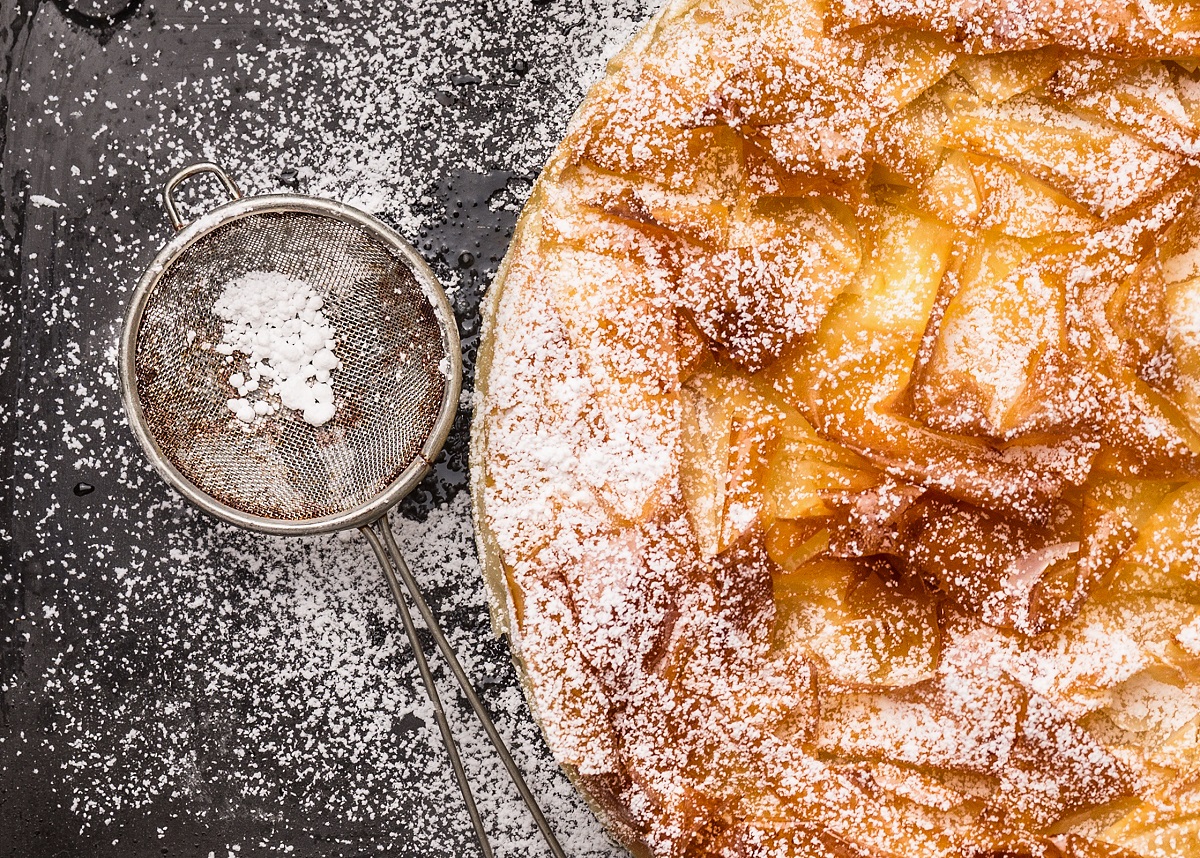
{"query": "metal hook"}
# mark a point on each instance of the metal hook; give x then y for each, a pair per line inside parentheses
(187, 172)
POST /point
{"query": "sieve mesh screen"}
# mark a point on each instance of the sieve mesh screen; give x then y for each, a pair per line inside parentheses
(388, 390)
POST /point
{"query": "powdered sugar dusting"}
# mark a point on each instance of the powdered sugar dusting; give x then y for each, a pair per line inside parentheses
(254, 690)
(915, 447)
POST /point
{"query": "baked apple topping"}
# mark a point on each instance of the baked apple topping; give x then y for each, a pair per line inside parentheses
(837, 465)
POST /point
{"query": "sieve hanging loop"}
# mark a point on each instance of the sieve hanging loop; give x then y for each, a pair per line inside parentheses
(186, 173)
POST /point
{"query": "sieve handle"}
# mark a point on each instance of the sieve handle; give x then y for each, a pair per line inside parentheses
(439, 714)
(186, 173)
(400, 568)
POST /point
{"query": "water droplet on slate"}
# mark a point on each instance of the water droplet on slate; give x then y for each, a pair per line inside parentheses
(82, 489)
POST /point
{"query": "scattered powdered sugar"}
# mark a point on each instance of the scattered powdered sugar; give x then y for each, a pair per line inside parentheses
(1189, 637)
(288, 661)
(171, 669)
(275, 323)
(263, 679)
(1182, 266)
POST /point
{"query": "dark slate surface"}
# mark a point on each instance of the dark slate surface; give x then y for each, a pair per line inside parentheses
(98, 649)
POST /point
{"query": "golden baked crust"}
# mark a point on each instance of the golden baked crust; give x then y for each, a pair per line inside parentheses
(836, 459)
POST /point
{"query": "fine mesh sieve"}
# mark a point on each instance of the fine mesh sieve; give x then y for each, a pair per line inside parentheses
(396, 390)
(396, 393)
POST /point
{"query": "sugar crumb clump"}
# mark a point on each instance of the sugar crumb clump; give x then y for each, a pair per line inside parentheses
(274, 324)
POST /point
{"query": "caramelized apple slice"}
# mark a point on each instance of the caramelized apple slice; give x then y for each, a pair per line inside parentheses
(1021, 206)
(871, 521)
(999, 77)
(641, 119)
(998, 838)
(1022, 478)
(804, 108)
(591, 230)
(778, 87)
(847, 378)
(750, 440)
(897, 287)
(1144, 434)
(1169, 546)
(604, 307)
(786, 263)
(705, 427)
(910, 142)
(997, 365)
(695, 356)
(825, 128)
(1081, 74)
(1092, 162)
(1016, 575)
(1182, 311)
(1009, 574)
(791, 543)
(1187, 87)
(1164, 825)
(1132, 501)
(728, 431)
(1180, 753)
(662, 150)
(798, 479)
(1162, 27)
(992, 331)
(1137, 314)
(813, 108)
(951, 192)
(1078, 846)
(1146, 102)
(835, 152)
(805, 471)
(609, 308)
(1151, 707)
(862, 625)
(698, 215)
(691, 217)
(902, 64)
(982, 723)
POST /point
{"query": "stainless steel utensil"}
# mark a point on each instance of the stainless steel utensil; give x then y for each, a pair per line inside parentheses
(397, 389)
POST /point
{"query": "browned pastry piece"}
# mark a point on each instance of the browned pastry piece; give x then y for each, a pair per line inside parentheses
(836, 457)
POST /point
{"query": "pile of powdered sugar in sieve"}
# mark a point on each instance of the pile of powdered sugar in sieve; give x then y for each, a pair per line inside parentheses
(274, 322)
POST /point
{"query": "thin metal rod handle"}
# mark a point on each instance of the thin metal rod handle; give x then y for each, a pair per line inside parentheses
(414, 591)
(186, 173)
(439, 713)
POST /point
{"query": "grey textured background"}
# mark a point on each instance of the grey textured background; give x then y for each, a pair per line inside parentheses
(169, 685)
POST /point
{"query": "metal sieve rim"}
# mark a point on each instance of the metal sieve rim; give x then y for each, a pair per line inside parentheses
(199, 229)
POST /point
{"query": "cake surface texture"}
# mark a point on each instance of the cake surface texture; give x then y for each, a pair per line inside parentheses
(836, 455)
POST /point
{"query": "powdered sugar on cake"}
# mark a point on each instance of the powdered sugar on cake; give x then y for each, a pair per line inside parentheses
(836, 472)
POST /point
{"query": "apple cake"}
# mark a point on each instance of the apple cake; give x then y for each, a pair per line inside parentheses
(836, 456)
